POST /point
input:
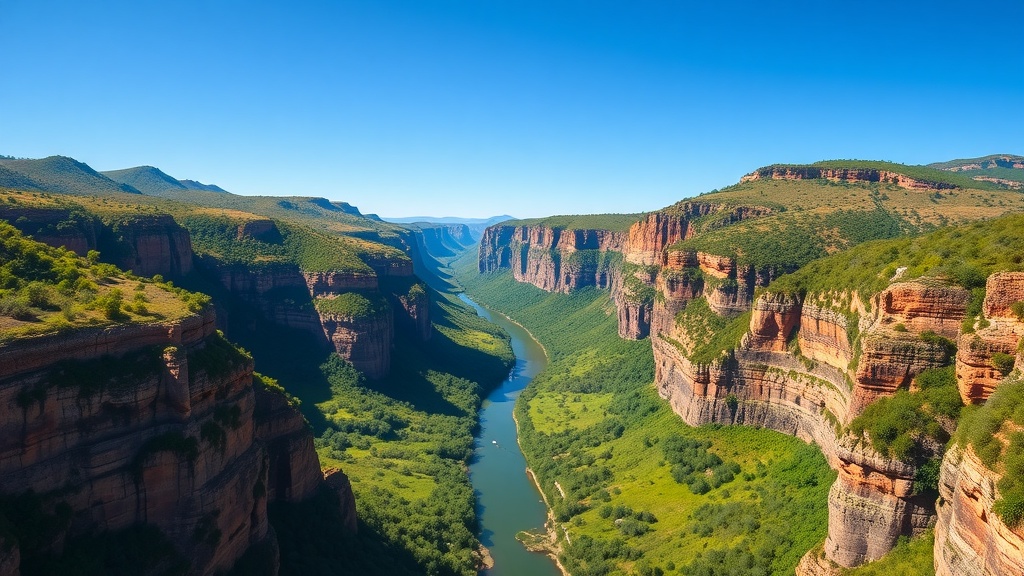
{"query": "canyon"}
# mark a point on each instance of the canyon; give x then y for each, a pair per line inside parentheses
(806, 364)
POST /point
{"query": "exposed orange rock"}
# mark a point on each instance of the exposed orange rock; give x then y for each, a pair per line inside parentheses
(763, 383)
(773, 321)
(920, 307)
(173, 441)
(889, 362)
(364, 341)
(550, 258)
(649, 237)
(977, 376)
(845, 175)
(970, 539)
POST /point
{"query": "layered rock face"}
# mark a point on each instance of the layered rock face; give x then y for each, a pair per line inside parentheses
(977, 373)
(284, 295)
(158, 245)
(844, 174)
(146, 244)
(797, 371)
(151, 424)
(552, 259)
(971, 540)
(365, 341)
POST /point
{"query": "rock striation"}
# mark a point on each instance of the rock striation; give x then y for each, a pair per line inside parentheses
(846, 175)
(552, 259)
(146, 244)
(153, 424)
(971, 540)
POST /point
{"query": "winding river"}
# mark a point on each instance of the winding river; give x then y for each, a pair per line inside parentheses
(507, 501)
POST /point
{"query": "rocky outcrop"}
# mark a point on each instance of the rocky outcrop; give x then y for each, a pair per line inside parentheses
(844, 175)
(808, 366)
(338, 483)
(145, 244)
(152, 424)
(552, 259)
(978, 366)
(293, 469)
(365, 341)
(970, 539)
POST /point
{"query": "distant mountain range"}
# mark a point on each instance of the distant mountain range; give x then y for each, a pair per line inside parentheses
(69, 176)
(448, 220)
(476, 226)
(154, 182)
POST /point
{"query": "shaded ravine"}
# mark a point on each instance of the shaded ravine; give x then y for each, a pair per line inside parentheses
(507, 501)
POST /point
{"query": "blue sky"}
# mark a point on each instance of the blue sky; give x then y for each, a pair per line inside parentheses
(476, 108)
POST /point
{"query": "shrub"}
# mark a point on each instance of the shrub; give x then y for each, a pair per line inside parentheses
(1002, 362)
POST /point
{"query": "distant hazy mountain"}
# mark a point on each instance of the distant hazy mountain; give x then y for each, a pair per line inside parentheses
(154, 182)
(476, 226)
(448, 220)
(58, 174)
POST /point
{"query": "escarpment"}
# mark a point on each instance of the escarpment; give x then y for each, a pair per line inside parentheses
(987, 353)
(146, 244)
(807, 366)
(150, 424)
(851, 175)
(552, 258)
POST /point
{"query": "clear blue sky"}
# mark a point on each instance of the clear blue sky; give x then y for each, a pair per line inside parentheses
(482, 107)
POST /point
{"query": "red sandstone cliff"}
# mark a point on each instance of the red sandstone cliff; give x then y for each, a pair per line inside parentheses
(844, 174)
(825, 385)
(552, 259)
(152, 424)
(971, 540)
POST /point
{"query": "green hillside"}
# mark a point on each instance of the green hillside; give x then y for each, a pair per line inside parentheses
(145, 179)
(613, 222)
(62, 175)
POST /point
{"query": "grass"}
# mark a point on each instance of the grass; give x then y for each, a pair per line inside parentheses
(612, 457)
(922, 173)
(910, 557)
(45, 290)
(964, 255)
(553, 412)
(613, 222)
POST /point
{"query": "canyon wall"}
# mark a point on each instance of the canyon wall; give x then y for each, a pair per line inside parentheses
(807, 366)
(970, 540)
(153, 424)
(552, 259)
(146, 244)
(846, 175)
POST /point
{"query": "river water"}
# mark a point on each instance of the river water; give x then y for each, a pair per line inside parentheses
(507, 500)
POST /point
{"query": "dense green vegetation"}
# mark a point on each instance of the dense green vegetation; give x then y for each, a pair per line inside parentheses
(964, 255)
(994, 432)
(353, 305)
(712, 335)
(44, 290)
(58, 174)
(896, 425)
(619, 454)
(313, 251)
(403, 441)
(613, 222)
(788, 241)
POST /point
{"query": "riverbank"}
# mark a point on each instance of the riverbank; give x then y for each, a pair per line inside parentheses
(536, 542)
(507, 502)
